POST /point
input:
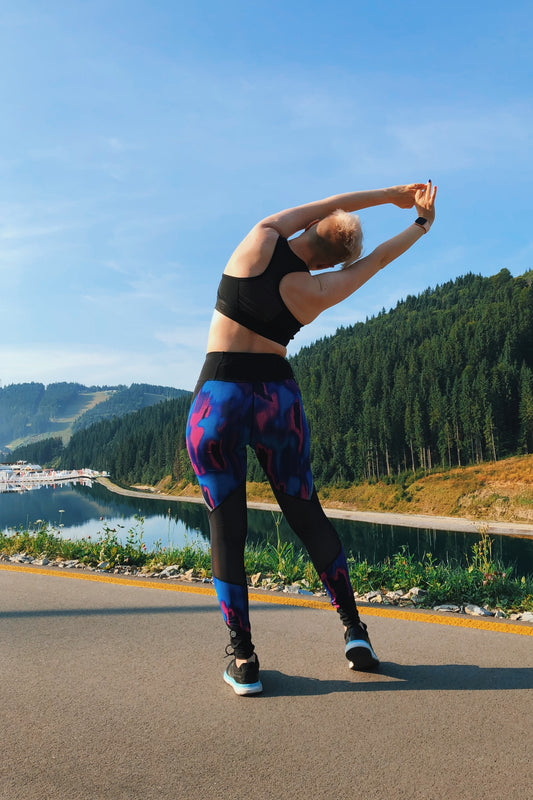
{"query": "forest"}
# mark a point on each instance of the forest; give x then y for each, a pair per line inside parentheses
(32, 410)
(124, 401)
(142, 447)
(32, 406)
(443, 379)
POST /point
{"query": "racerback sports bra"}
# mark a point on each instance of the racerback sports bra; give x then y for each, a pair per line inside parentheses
(256, 302)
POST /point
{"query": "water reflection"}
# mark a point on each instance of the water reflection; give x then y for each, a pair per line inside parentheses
(85, 511)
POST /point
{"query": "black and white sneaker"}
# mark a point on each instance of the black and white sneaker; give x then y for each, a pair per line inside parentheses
(358, 649)
(244, 679)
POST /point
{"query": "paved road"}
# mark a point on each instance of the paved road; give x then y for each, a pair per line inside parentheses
(115, 691)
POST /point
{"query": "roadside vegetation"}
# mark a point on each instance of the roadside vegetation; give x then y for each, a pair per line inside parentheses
(485, 581)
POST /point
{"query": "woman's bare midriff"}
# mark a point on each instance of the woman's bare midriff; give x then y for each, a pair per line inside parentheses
(225, 335)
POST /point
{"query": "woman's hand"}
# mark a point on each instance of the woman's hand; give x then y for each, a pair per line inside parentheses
(405, 196)
(425, 202)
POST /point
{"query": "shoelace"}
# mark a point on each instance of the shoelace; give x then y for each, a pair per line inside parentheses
(230, 652)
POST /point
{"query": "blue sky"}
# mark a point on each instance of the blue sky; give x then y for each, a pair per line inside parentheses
(141, 140)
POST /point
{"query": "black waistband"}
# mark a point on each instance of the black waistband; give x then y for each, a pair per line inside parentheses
(244, 368)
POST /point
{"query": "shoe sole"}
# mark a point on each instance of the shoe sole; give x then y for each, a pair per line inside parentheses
(243, 689)
(360, 655)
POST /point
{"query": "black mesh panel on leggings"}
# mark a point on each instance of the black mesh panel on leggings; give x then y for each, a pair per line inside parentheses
(228, 524)
(321, 540)
(310, 524)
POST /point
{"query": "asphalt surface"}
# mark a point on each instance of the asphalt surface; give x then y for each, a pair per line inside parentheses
(113, 690)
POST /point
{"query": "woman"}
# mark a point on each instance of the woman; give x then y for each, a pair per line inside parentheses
(247, 395)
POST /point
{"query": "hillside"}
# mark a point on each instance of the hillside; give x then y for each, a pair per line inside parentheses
(494, 491)
(442, 381)
(31, 412)
(499, 491)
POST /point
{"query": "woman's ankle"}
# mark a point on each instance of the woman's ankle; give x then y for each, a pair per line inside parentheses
(240, 661)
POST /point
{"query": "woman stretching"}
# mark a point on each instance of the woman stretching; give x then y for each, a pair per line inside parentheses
(247, 395)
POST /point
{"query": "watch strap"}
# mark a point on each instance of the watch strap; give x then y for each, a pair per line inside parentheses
(423, 223)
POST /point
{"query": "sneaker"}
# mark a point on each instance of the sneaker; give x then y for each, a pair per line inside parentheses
(358, 649)
(244, 679)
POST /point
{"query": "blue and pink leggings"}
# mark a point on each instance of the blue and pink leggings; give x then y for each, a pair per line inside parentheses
(245, 399)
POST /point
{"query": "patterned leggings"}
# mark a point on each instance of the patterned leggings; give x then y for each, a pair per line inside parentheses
(242, 400)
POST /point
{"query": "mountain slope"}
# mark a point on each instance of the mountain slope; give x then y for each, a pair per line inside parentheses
(30, 412)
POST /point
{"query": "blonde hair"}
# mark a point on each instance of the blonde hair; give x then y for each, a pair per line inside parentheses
(343, 242)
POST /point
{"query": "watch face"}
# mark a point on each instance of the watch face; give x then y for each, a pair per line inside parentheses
(421, 221)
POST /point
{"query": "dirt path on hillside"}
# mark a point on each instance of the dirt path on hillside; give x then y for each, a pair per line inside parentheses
(425, 521)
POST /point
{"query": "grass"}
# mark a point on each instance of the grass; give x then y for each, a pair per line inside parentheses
(500, 491)
(484, 581)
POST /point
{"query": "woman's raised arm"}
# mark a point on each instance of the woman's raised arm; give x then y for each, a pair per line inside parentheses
(329, 288)
(292, 220)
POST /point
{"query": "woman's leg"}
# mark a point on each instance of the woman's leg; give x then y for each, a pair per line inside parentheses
(282, 447)
(216, 440)
(308, 521)
(310, 524)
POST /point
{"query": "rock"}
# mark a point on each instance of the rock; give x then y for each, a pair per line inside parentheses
(515, 617)
(415, 595)
(254, 579)
(374, 597)
(477, 611)
(394, 597)
(170, 571)
(189, 575)
(527, 616)
(102, 565)
(292, 589)
(41, 562)
(500, 614)
(21, 558)
(447, 607)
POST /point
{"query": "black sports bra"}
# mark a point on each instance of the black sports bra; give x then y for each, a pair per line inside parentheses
(256, 302)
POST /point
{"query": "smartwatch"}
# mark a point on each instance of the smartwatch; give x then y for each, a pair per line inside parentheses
(423, 223)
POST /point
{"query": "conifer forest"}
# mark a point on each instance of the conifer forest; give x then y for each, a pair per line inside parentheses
(443, 379)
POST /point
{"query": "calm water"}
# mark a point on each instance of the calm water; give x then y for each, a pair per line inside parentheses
(82, 511)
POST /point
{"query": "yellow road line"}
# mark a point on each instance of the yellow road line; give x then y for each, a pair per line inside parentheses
(91, 576)
(502, 626)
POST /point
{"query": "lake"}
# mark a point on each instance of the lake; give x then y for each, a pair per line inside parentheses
(81, 511)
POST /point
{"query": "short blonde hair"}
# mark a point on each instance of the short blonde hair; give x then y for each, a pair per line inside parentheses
(344, 242)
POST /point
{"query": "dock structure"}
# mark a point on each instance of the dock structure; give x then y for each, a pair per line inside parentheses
(33, 477)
